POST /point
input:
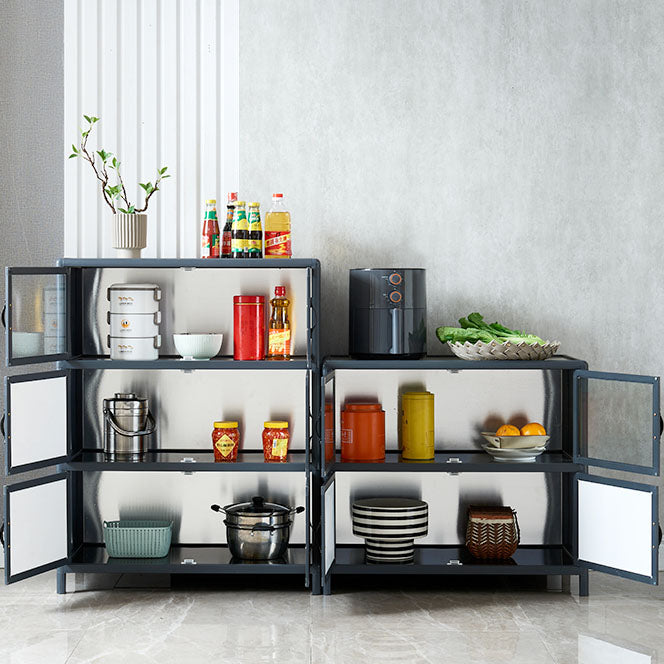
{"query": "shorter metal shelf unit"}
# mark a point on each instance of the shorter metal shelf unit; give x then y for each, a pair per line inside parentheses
(178, 363)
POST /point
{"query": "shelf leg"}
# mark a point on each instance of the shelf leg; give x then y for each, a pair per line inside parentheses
(584, 589)
(327, 585)
(315, 580)
(61, 582)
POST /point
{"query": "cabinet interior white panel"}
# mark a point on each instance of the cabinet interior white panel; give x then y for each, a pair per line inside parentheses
(170, 97)
(330, 527)
(45, 399)
(615, 527)
(38, 526)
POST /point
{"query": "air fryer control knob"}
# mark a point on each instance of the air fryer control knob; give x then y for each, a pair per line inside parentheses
(395, 296)
(395, 279)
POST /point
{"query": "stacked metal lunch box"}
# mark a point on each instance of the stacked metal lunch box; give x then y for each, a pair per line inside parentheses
(134, 318)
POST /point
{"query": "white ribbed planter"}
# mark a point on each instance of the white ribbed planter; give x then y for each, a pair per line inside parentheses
(130, 234)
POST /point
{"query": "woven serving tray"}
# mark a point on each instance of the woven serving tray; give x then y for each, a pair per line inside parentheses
(481, 350)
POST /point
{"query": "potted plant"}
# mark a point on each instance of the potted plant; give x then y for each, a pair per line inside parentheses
(129, 222)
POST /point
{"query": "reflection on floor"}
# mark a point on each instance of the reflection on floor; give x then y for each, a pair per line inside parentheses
(274, 620)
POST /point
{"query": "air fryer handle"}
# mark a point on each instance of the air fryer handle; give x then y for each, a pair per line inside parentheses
(397, 331)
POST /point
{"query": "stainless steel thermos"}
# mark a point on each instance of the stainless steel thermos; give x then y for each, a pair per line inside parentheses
(127, 424)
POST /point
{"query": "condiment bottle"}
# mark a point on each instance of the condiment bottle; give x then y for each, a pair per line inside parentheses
(275, 441)
(279, 329)
(225, 441)
(210, 239)
(226, 237)
(255, 242)
(278, 230)
(240, 231)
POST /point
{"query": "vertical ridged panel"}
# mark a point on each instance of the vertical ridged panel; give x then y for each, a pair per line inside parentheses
(163, 77)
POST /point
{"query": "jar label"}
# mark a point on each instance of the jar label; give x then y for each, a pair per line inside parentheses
(346, 436)
(280, 447)
(225, 445)
(279, 342)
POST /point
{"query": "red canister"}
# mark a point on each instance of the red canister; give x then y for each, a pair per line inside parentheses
(362, 432)
(249, 327)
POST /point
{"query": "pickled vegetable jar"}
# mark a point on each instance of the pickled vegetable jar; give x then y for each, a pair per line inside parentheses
(225, 441)
(275, 441)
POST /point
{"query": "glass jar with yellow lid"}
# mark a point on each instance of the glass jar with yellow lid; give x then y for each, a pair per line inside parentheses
(225, 441)
(275, 441)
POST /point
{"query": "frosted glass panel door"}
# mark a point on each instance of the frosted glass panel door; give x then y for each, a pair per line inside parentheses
(618, 531)
(617, 421)
(37, 426)
(36, 535)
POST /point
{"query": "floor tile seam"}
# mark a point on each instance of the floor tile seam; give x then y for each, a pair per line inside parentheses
(73, 650)
(548, 650)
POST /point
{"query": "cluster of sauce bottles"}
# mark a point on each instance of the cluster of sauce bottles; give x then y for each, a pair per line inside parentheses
(242, 236)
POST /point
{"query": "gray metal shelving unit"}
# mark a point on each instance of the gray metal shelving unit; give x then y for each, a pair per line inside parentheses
(53, 417)
(571, 521)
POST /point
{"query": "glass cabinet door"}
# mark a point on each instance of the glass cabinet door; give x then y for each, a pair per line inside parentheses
(36, 315)
(617, 421)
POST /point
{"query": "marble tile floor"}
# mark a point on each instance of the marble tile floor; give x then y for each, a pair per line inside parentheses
(274, 620)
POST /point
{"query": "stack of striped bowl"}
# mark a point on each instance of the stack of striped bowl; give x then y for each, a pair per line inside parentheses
(389, 527)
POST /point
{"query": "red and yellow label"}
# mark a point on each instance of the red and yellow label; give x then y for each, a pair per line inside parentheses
(278, 243)
(279, 342)
(225, 445)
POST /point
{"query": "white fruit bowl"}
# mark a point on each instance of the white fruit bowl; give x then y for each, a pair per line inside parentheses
(198, 346)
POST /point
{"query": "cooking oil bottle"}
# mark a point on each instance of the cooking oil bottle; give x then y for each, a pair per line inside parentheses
(279, 332)
(278, 229)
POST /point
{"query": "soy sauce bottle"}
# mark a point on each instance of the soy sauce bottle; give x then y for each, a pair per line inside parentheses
(255, 245)
(227, 233)
(240, 231)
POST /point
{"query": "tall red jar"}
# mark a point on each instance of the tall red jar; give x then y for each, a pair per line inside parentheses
(249, 327)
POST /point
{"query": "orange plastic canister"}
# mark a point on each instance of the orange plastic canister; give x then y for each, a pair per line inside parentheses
(362, 432)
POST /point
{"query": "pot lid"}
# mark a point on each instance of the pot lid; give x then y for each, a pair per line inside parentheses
(133, 287)
(126, 399)
(257, 507)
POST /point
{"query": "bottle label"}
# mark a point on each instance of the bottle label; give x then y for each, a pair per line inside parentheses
(280, 447)
(255, 246)
(210, 245)
(279, 342)
(225, 445)
(226, 244)
(277, 243)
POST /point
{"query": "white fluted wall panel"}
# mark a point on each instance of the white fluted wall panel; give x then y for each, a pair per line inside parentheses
(163, 77)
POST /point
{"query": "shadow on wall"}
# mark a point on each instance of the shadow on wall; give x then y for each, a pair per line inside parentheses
(359, 253)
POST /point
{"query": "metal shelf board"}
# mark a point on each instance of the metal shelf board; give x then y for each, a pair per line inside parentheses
(351, 559)
(470, 462)
(451, 363)
(187, 461)
(210, 559)
(177, 363)
(283, 263)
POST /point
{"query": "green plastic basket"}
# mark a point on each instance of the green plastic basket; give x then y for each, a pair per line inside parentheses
(137, 539)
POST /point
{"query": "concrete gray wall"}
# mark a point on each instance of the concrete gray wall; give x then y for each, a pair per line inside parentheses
(31, 144)
(513, 149)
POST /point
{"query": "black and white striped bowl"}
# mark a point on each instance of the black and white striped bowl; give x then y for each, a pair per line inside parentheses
(389, 527)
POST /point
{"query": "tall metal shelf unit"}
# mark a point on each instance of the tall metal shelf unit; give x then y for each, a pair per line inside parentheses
(53, 419)
(571, 521)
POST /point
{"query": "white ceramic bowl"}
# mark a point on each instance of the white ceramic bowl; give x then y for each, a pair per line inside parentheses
(198, 346)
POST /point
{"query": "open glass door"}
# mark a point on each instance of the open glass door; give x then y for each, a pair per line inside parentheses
(36, 535)
(36, 425)
(36, 315)
(328, 529)
(618, 527)
(617, 421)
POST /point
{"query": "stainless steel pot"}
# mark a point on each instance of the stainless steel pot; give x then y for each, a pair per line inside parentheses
(127, 424)
(257, 530)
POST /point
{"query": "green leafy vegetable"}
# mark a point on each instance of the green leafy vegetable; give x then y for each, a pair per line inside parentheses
(474, 328)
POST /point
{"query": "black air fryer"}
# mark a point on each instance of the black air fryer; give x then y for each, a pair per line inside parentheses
(388, 313)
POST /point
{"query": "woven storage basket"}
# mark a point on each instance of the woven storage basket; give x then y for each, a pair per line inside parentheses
(492, 532)
(505, 351)
(137, 539)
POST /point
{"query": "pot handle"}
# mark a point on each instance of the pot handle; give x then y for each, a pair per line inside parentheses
(263, 528)
(297, 510)
(216, 508)
(152, 425)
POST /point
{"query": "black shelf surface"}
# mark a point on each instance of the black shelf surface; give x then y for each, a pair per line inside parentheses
(557, 362)
(177, 363)
(210, 559)
(172, 460)
(471, 462)
(275, 263)
(351, 559)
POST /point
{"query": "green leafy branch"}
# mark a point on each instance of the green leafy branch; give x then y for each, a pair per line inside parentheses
(101, 162)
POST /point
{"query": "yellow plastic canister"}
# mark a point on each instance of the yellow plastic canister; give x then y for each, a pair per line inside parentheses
(417, 432)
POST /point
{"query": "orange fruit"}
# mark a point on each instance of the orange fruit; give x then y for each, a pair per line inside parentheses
(533, 429)
(508, 430)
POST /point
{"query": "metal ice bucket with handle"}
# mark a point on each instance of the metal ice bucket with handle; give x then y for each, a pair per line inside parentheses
(127, 424)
